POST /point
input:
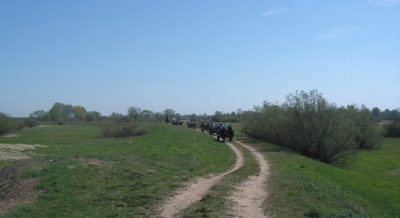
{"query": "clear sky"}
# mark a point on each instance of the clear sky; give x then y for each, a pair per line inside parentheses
(196, 56)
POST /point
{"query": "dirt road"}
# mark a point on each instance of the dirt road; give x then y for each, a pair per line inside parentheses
(249, 195)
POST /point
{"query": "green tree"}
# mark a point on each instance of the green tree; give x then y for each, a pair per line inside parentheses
(93, 116)
(39, 114)
(178, 116)
(376, 112)
(79, 112)
(159, 116)
(134, 112)
(169, 112)
(67, 111)
(193, 117)
(394, 114)
(55, 111)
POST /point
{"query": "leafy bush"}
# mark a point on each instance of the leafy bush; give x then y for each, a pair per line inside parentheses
(367, 133)
(307, 123)
(115, 129)
(315, 128)
(60, 121)
(7, 124)
(31, 122)
(393, 129)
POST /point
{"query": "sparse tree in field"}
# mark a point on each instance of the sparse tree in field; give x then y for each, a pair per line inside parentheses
(178, 116)
(55, 111)
(67, 111)
(169, 112)
(159, 116)
(147, 113)
(376, 112)
(134, 112)
(239, 112)
(93, 116)
(79, 112)
(39, 114)
(193, 117)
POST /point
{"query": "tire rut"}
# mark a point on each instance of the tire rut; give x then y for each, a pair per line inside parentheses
(249, 196)
(197, 189)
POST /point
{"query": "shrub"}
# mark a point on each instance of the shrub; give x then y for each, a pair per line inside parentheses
(31, 122)
(60, 121)
(367, 133)
(265, 123)
(393, 129)
(307, 123)
(115, 129)
(315, 128)
(7, 124)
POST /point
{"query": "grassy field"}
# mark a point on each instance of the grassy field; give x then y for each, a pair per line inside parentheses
(299, 186)
(87, 176)
(83, 175)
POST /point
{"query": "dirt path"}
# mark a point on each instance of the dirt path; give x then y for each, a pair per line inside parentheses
(249, 196)
(196, 190)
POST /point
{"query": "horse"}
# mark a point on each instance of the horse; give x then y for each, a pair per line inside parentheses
(212, 128)
(225, 131)
(204, 126)
(191, 124)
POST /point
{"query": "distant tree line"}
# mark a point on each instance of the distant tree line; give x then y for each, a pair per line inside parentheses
(385, 115)
(62, 112)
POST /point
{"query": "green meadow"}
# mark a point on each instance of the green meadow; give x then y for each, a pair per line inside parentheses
(82, 175)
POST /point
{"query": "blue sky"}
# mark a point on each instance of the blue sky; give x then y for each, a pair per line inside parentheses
(196, 56)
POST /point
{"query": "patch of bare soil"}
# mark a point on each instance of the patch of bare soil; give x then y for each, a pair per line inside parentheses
(14, 190)
(8, 135)
(196, 190)
(251, 195)
(14, 151)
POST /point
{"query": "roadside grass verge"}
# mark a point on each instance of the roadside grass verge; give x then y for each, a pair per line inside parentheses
(216, 203)
(83, 175)
(302, 187)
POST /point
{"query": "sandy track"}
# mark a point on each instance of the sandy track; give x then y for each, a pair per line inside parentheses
(196, 190)
(251, 194)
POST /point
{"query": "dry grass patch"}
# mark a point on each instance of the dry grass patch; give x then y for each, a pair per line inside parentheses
(14, 151)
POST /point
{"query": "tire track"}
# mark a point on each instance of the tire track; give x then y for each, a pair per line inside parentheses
(196, 190)
(251, 195)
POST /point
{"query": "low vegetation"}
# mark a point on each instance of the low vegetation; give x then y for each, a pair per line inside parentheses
(7, 124)
(83, 175)
(393, 128)
(110, 129)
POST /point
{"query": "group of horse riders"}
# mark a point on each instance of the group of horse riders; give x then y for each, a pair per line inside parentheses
(223, 130)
